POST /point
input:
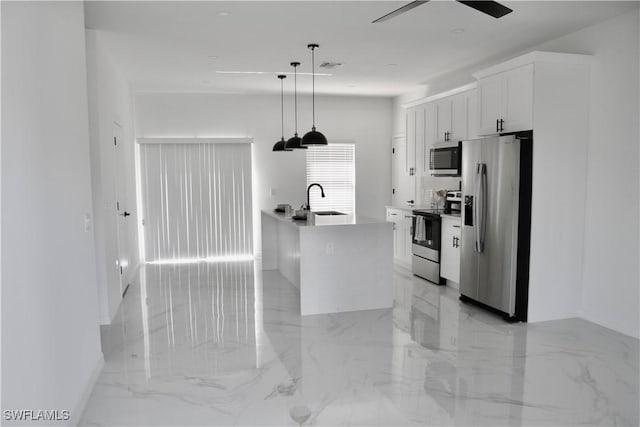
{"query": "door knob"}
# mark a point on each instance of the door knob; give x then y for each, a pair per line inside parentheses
(125, 214)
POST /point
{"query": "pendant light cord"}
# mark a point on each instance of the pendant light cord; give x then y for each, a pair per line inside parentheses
(295, 93)
(313, 85)
(282, 104)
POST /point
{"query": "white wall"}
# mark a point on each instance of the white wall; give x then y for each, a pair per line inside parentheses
(50, 338)
(365, 121)
(110, 101)
(610, 290)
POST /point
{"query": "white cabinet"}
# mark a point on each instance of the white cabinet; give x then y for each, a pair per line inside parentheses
(506, 101)
(413, 133)
(452, 117)
(450, 251)
(443, 107)
(429, 135)
(402, 235)
(402, 182)
(473, 115)
(459, 117)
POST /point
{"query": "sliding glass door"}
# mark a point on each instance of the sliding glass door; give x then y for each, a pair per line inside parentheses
(196, 201)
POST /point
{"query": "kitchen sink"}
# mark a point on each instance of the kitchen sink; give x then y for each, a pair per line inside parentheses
(329, 213)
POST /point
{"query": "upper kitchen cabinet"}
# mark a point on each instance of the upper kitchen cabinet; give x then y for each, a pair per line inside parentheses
(452, 117)
(413, 131)
(443, 117)
(429, 137)
(506, 101)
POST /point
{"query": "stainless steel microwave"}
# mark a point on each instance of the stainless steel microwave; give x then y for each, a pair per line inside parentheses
(445, 159)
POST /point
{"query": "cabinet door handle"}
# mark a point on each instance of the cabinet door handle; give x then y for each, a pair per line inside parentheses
(393, 214)
(501, 125)
(456, 226)
(497, 125)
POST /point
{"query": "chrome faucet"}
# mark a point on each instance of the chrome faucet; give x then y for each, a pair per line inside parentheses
(308, 188)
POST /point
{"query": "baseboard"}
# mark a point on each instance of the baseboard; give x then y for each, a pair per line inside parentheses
(76, 414)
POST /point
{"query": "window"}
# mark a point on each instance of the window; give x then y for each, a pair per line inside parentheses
(333, 167)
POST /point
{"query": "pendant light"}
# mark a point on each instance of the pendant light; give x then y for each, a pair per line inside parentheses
(280, 145)
(313, 137)
(295, 140)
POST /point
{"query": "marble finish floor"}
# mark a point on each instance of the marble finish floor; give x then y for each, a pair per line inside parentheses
(223, 344)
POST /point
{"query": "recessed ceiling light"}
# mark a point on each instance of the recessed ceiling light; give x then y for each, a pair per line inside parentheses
(392, 65)
(212, 57)
(206, 82)
(224, 13)
(352, 86)
(457, 30)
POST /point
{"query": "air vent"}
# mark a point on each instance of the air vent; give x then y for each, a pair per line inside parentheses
(330, 65)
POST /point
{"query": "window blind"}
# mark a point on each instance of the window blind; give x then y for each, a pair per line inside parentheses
(196, 201)
(333, 167)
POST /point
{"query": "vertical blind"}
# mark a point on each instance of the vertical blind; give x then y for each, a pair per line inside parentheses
(196, 201)
(333, 167)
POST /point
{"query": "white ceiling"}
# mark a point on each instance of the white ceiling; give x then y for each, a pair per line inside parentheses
(166, 46)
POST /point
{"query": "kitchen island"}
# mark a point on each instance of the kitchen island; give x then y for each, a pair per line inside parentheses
(339, 262)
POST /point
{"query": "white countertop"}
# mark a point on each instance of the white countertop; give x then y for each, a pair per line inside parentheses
(325, 220)
(406, 207)
(457, 217)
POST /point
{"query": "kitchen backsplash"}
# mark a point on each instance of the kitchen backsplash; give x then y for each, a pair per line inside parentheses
(428, 183)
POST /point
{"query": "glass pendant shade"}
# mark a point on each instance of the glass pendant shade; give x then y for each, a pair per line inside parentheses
(280, 145)
(313, 137)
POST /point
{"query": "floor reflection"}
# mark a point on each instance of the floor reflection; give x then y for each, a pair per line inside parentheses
(223, 344)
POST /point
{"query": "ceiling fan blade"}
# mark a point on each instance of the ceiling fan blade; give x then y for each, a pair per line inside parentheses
(492, 8)
(401, 10)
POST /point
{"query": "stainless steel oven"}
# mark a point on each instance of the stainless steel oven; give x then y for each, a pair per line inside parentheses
(425, 261)
(445, 159)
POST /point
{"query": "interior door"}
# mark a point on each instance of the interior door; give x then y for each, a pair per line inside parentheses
(402, 181)
(123, 206)
(497, 262)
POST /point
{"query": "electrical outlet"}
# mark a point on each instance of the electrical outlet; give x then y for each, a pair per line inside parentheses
(272, 192)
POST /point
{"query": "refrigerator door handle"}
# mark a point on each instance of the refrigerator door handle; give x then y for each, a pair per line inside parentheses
(480, 206)
(476, 194)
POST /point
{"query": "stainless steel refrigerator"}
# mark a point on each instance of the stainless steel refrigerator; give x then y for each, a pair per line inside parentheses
(496, 191)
